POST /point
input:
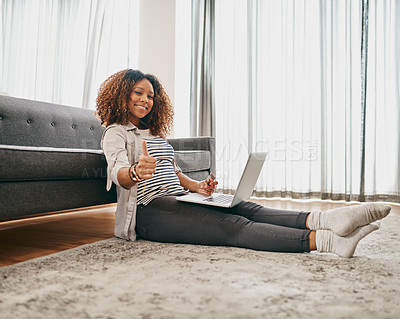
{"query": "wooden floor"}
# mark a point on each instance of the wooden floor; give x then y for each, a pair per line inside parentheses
(29, 238)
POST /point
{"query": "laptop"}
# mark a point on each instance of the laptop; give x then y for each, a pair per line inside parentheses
(243, 191)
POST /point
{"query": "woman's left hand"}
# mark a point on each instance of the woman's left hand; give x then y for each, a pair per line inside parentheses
(207, 187)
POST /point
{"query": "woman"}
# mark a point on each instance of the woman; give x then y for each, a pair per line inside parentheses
(138, 115)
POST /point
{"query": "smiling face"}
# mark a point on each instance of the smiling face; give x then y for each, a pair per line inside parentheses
(141, 101)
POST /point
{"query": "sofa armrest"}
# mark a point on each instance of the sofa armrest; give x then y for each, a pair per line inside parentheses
(195, 144)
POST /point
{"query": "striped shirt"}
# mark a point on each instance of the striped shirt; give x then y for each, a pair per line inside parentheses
(165, 181)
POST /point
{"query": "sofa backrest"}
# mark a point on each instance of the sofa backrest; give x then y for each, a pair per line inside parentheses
(32, 123)
(40, 124)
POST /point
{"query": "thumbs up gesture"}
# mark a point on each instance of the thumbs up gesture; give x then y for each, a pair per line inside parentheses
(146, 166)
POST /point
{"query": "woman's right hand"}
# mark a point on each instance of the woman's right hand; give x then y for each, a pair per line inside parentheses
(146, 166)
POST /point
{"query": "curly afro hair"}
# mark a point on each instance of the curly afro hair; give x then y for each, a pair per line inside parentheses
(114, 94)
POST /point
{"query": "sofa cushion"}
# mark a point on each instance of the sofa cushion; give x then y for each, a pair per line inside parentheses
(46, 163)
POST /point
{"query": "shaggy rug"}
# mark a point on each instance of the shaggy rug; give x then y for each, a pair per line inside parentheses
(118, 279)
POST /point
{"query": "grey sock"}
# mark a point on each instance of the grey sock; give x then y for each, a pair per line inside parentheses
(328, 241)
(344, 220)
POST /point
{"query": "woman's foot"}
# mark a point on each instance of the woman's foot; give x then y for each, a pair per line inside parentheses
(344, 220)
(329, 242)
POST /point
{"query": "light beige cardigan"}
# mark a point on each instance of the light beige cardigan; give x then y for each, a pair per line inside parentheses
(122, 146)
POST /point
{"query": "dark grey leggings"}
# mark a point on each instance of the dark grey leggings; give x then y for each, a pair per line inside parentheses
(246, 225)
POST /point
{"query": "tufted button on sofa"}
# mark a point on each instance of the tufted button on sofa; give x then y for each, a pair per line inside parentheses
(50, 158)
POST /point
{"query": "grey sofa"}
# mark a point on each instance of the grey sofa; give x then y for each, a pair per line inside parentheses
(50, 158)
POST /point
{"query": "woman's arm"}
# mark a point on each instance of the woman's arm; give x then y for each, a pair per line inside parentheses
(118, 166)
(144, 169)
(206, 187)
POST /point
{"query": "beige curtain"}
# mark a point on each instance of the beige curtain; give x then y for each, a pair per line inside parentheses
(316, 85)
(60, 51)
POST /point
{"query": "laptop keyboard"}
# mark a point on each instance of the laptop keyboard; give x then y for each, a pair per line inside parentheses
(220, 199)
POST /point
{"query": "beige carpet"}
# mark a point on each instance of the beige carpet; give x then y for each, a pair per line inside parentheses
(118, 279)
